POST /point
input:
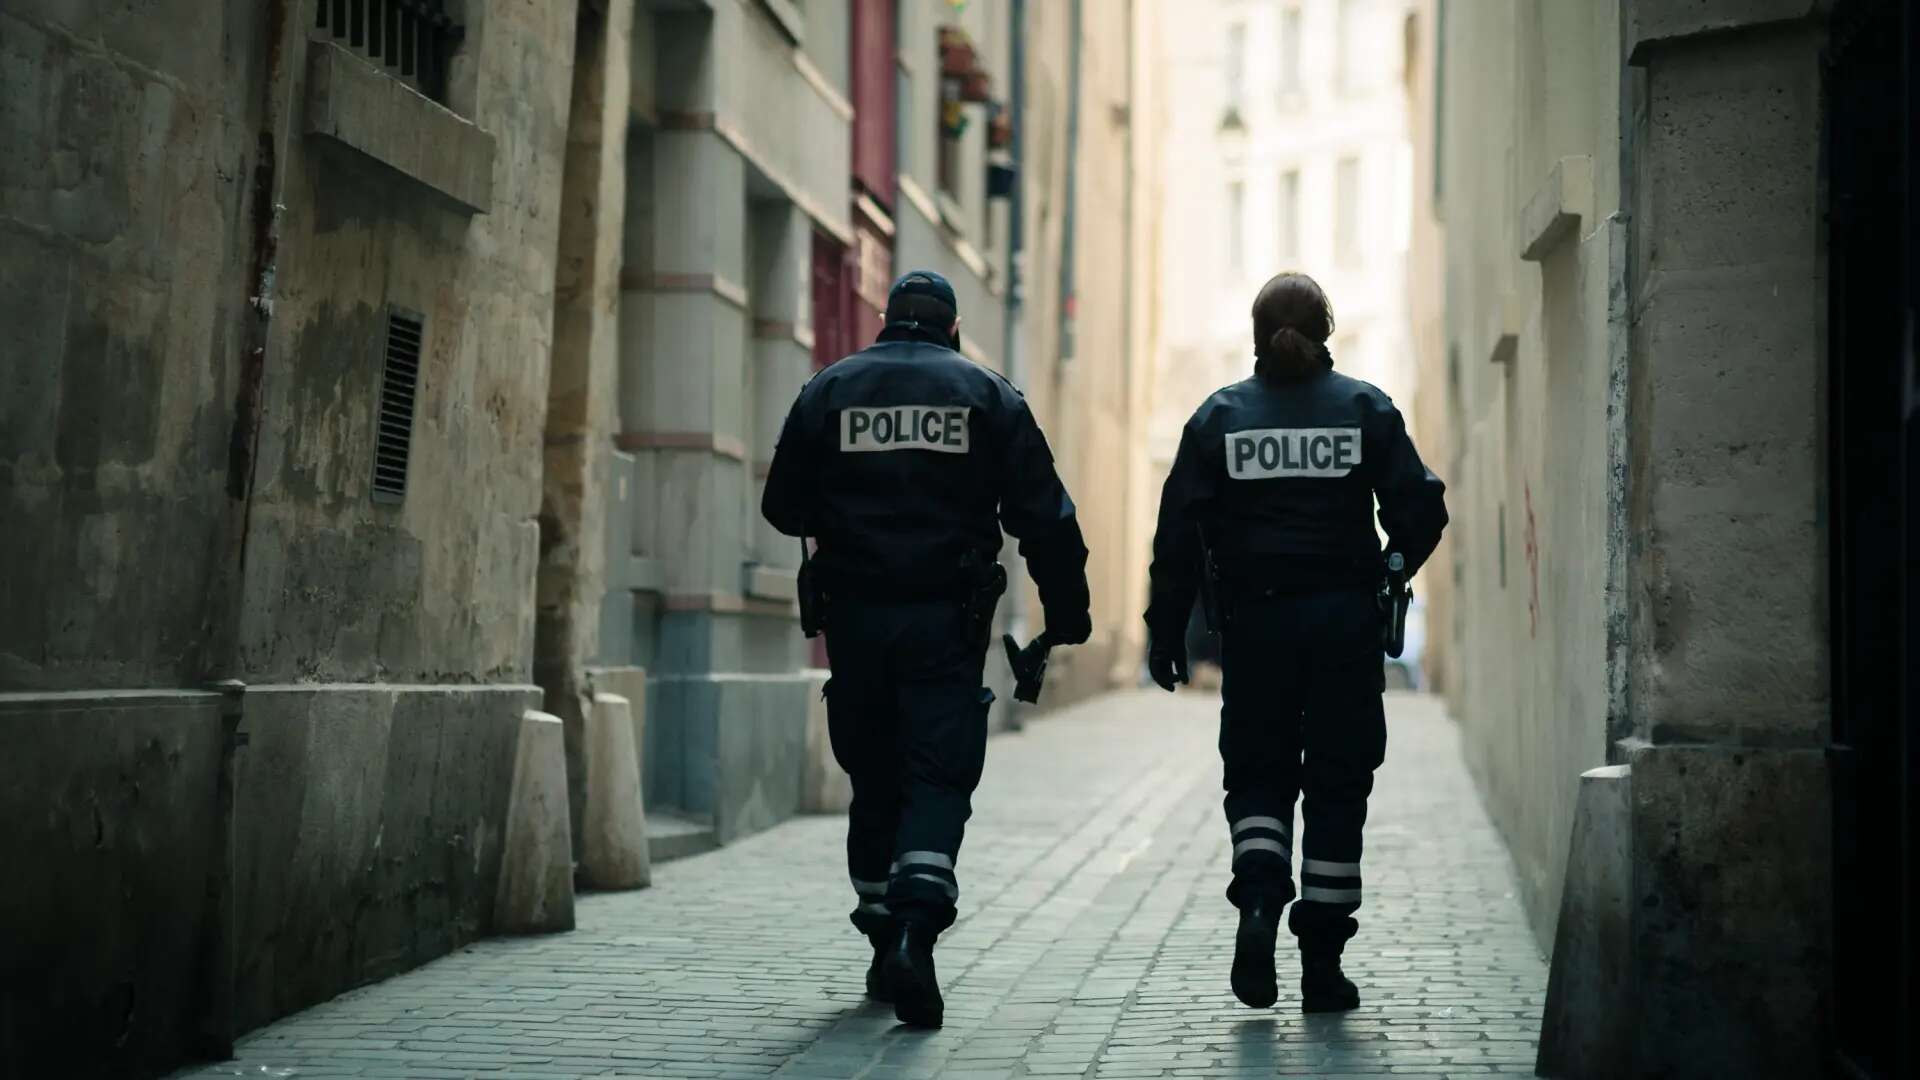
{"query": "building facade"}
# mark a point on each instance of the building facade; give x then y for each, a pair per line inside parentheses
(387, 388)
(1658, 286)
(782, 164)
(279, 290)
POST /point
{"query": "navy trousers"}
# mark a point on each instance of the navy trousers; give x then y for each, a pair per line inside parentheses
(907, 716)
(1301, 718)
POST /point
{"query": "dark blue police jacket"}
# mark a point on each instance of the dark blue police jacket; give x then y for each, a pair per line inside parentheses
(1279, 477)
(906, 456)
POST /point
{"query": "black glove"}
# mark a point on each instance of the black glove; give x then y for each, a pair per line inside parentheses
(1069, 629)
(1167, 664)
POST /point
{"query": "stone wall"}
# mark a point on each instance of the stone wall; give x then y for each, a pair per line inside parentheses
(108, 964)
(1727, 668)
(1634, 289)
(127, 204)
(1529, 193)
(210, 214)
(369, 823)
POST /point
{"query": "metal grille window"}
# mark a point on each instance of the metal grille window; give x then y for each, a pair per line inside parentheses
(399, 386)
(411, 40)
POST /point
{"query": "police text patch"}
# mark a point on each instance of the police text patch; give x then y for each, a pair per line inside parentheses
(1266, 453)
(905, 427)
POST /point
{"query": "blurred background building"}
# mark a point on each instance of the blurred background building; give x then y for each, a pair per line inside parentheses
(1285, 148)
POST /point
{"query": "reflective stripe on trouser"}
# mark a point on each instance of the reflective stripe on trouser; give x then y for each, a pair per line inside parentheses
(907, 718)
(1301, 719)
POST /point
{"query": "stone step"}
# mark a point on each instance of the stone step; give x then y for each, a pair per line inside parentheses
(675, 834)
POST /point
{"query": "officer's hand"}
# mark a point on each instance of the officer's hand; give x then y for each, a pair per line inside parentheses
(1167, 667)
(1070, 629)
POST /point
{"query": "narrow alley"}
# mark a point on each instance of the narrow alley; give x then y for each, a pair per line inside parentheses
(1094, 941)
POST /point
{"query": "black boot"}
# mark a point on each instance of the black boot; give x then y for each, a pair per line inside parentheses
(1253, 979)
(876, 971)
(1323, 987)
(910, 979)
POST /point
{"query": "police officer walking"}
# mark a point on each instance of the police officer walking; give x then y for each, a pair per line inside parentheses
(904, 462)
(1270, 503)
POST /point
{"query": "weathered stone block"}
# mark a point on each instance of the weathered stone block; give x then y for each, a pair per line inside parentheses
(368, 832)
(109, 804)
(1585, 1030)
(1730, 161)
(733, 747)
(536, 873)
(1650, 23)
(614, 849)
(1732, 895)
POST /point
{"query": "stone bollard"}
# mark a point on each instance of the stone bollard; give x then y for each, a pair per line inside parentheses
(614, 848)
(1584, 1030)
(536, 865)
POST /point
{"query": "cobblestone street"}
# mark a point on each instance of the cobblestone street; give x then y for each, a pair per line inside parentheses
(1094, 941)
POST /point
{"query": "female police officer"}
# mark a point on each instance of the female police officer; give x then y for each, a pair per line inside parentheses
(1272, 495)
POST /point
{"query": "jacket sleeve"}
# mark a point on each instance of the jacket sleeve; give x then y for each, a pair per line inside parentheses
(1413, 507)
(1036, 510)
(1186, 501)
(790, 477)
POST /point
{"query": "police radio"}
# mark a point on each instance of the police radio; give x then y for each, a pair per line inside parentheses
(812, 600)
(1395, 595)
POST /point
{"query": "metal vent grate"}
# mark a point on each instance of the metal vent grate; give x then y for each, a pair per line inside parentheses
(399, 385)
(409, 39)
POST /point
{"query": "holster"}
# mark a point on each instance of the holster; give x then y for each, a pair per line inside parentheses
(983, 582)
(813, 602)
(1394, 598)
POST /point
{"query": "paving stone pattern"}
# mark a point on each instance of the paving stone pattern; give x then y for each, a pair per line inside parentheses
(1094, 941)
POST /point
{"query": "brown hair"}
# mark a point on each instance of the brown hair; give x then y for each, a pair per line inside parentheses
(1292, 320)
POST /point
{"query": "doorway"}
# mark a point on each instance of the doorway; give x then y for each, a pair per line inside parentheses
(1873, 551)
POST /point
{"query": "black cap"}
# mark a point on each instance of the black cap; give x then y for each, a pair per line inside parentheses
(902, 307)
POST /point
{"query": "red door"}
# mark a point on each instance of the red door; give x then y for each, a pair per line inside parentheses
(832, 303)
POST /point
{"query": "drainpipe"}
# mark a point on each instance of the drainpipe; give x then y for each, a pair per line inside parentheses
(1067, 299)
(218, 1024)
(1016, 229)
(219, 951)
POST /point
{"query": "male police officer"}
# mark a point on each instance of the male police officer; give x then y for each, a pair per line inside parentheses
(1272, 495)
(903, 462)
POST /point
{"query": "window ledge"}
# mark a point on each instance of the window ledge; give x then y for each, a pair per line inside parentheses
(638, 573)
(763, 582)
(786, 15)
(1554, 212)
(951, 213)
(352, 103)
(1504, 323)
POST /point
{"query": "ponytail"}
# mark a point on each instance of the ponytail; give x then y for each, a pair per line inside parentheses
(1289, 354)
(1292, 320)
